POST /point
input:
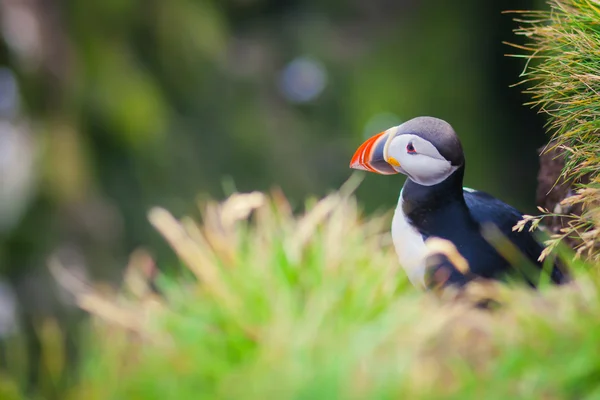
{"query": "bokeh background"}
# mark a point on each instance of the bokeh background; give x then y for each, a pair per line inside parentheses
(110, 107)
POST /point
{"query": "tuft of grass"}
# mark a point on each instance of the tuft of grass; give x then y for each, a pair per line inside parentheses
(316, 306)
(562, 76)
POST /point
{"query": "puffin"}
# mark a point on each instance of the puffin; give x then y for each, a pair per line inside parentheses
(434, 204)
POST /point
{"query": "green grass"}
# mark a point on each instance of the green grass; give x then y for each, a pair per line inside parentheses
(317, 307)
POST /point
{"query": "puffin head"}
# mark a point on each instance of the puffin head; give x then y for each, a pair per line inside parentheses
(425, 149)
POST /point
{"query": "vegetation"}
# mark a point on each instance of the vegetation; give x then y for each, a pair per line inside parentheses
(316, 307)
(562, 78)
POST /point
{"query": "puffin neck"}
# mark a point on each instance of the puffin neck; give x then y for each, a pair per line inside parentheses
(416, 198)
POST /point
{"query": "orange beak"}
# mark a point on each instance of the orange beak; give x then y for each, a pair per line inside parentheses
(370, 156)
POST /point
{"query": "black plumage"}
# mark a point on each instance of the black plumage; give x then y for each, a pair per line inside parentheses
(448, 211)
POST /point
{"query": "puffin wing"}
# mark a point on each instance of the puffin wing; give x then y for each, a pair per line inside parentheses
(485, 208)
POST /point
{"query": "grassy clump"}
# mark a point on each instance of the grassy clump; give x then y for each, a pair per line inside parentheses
(563, 76)
(316, 306)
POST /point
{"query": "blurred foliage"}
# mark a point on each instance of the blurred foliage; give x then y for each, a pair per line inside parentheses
(315, 307)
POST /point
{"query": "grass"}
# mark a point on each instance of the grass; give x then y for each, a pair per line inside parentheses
(316, 306)
(562, 76)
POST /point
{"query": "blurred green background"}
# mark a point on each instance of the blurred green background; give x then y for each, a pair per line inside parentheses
(110, 107)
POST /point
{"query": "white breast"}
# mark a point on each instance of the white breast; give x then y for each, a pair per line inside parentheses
(410, 247)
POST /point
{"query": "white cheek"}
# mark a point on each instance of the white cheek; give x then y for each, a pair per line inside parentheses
(428, 167)
(426, 170)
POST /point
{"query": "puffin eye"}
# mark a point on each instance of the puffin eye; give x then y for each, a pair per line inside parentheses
(410, 148)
